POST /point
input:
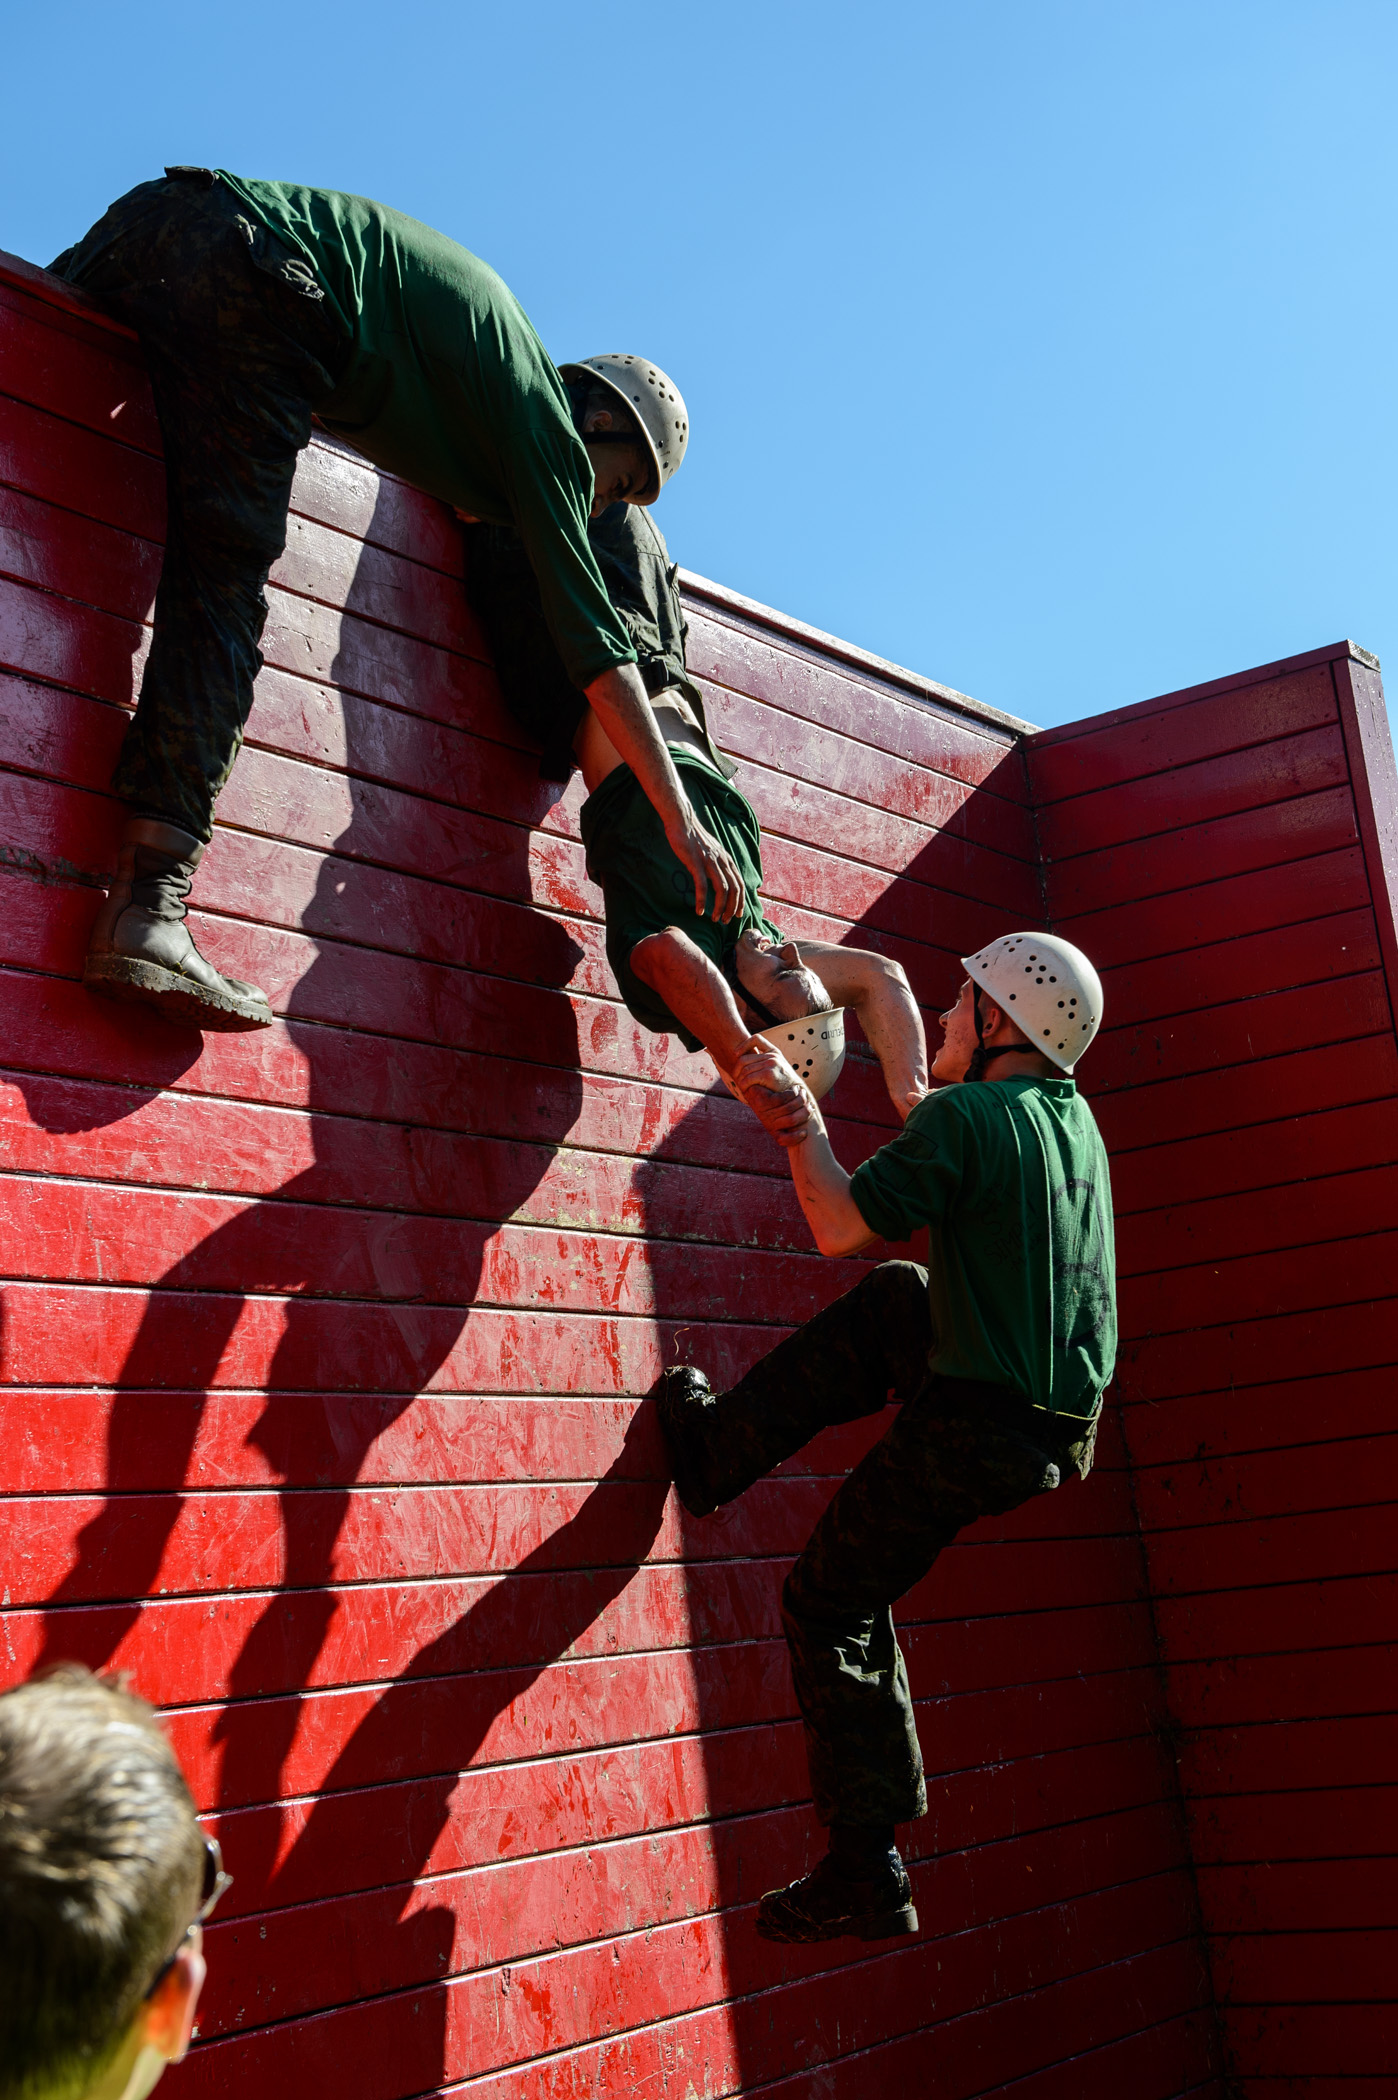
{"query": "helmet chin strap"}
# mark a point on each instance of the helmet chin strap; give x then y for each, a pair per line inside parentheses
(981, 1056)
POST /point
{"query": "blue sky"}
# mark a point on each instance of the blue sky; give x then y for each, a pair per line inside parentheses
(1044, 348)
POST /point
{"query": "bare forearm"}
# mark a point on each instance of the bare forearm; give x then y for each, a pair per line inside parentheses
(823, 1191)
(889, 1016)
(880, 994)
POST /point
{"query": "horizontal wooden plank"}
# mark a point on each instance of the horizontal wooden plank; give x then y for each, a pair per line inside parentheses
(1316, 1475)
(1362, 1067)
(64, 644)
(1358, 1609)
(79, 1547)
(1221, 1165)
(45, 632)
(563, 1999)
(942, 908)
(1196, 1296)
(1264, 1417)
(1234, 682)
(301, 1849)
(1330, 1823)
(1165, 739)
(1216, 973)
(1227, 1035)
(259, 1643)
(353, 1737)
(1341, 1965)
(54, 549)
(1131, 930)
(90, 1333)
(55, 1026)
(1308, 2042)
(395, 996)
(1319, 1685)
(1097, 2004)
(828, 694)
(54, 1441)
(565, 2004)
(90, 472)
(85, 1232)
(1304, 1212)
(1308, 1547)
(89, 374)
(1310, 1896)
(62, 488)
(862, 772)
(66, 1127)
(383, 909)
(1156, 809)
(366, 821)
(1166, 2059)
(533, 1906)
(1155, 2063)
(304, 1849)
(1290, 1758)
(1319, 818)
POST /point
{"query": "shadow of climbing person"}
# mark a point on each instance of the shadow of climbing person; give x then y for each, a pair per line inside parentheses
(375, 1299)
(413, 1750)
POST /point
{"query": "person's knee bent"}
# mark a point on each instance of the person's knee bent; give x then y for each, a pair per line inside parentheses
(658, 954)
(893, 1298)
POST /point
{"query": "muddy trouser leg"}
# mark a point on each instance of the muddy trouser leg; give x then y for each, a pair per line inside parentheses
(237, 357)
(846, 1362)
(938, 1468)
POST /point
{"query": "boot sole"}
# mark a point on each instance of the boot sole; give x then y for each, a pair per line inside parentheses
(174, 997)
(885, 1925)
(698, 1501)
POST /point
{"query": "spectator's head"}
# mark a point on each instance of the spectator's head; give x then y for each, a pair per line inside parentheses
(105, 1877)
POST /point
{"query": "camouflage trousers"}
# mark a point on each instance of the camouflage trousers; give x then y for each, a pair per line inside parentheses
(957, 1451)
(240, 346)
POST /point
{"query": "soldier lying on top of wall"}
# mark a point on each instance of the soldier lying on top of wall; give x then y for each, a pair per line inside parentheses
(259, 304)
(999, 1350)
(711, 977)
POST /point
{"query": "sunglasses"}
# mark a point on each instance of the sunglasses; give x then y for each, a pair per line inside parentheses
(214, 1883)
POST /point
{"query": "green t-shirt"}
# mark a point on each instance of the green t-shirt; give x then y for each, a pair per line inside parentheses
(448, 385)
(1012, 1179)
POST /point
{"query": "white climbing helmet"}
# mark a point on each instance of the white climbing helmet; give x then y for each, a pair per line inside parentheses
(1048, 988)
(813, 1045)
(652, 399)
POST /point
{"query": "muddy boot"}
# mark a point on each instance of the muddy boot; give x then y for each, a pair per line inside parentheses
(683, 1397)
(141, 948)
(869, 1899)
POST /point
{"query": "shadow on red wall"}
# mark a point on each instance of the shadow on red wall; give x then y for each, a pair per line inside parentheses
(339, 1376)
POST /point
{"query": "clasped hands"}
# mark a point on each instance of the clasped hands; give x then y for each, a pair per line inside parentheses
(777, 1095)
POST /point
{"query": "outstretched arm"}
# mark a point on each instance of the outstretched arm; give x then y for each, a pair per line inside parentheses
(880, 994)
(698, 995)
(621, 704)
(821, 1183)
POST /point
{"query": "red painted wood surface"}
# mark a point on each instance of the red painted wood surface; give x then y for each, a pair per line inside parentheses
(324, 1350)
(1229, 855)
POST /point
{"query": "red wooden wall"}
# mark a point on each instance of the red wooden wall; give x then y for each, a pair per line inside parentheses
(1228, 855)
(323, 1351)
